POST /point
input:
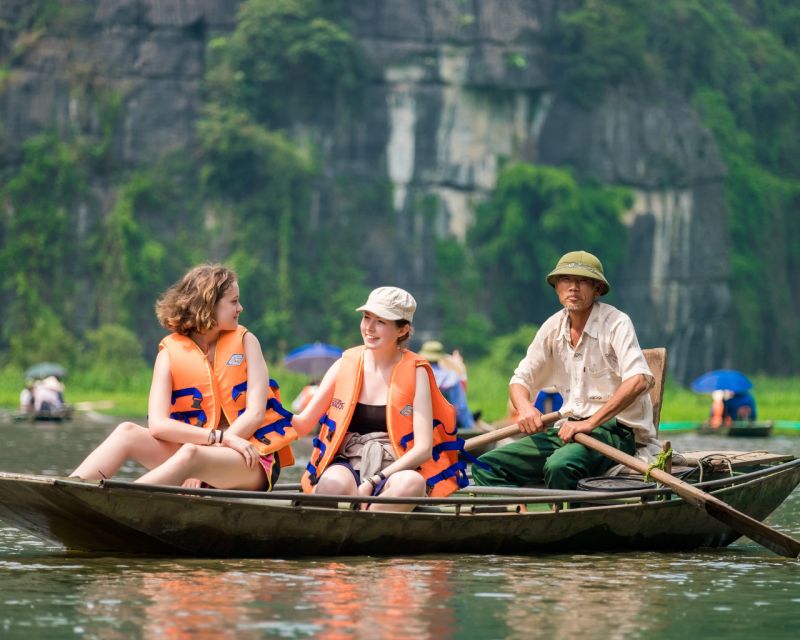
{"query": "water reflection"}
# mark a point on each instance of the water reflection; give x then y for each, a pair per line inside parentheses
(389, 599)
(740, 592)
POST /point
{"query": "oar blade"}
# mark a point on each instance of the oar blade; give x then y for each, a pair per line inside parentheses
(768, 537)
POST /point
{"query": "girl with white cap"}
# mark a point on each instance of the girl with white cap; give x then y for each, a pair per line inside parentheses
(382, 415)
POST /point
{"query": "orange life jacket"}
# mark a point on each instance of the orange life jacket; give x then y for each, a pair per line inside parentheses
(444, 472)
(200, 395)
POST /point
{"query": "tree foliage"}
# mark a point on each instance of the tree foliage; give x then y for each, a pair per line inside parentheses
(739, 63)
(535, 215)
(287, 61)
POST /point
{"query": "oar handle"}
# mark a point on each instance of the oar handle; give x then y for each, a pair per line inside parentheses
(757, 531)
(504, 432)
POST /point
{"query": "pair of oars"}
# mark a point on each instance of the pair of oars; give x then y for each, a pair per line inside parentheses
(757, 531)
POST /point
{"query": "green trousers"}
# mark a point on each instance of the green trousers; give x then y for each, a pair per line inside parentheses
(544, 457)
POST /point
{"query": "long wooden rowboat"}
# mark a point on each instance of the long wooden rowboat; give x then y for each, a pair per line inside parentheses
(119, 517)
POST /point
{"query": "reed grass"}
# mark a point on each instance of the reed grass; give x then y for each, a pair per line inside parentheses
(776, 398)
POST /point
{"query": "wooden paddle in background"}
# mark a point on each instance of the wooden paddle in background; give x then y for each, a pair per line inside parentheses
(757, 531)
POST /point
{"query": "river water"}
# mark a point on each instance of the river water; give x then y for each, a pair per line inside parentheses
(740, 592)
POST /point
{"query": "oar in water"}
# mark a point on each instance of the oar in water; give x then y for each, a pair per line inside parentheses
(757, 531)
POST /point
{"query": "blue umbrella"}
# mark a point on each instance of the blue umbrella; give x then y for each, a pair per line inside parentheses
(44, 370)
(722, 379)
(312, 359)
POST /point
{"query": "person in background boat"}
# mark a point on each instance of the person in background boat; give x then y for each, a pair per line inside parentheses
(382, 416)
(589, 352)
(48, 396)
(451, 375)
(729, 406)
(210, 387)
(26, 402)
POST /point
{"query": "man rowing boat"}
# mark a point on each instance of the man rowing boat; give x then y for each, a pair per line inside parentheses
(589, 352)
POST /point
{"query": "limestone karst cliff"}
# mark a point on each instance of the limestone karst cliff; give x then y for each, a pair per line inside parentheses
(454, 88)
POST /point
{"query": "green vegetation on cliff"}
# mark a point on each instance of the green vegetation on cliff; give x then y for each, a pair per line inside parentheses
(739, 63)
(79, 272)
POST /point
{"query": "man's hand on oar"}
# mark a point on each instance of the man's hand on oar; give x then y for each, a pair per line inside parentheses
(505, 432)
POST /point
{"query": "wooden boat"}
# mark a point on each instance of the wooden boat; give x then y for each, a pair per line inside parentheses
(739, 429)
(120, 517)
(65, 413)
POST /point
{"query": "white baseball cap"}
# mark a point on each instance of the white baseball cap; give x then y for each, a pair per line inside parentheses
(390, 303)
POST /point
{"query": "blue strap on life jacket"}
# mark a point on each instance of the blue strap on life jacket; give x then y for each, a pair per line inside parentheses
(468, 457)
(277, 407)
(311, 467)
(325, 421)
(457, 470)
(452, 445)
(312, 472)
(238, 390)
(187, 416)
(439, 423)
(457, 445)
(278, 425)
(319, 444)
(188, 391)
(436, 424)
(274, 384)
(406, 439)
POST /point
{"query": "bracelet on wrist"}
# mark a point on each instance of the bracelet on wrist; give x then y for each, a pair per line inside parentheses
(381, 476)
(221, 435)
(212, 437)
(374, 484)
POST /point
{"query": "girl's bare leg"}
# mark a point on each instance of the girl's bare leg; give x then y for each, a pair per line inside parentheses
(220, 467)
(403, 484)
(128, 441)
(337, 481)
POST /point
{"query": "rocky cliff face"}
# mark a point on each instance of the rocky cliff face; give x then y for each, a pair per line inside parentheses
(456, 86)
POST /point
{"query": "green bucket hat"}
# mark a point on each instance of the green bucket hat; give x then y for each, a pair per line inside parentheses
(582, 264)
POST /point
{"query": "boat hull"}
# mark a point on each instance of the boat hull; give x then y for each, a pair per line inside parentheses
(124, 518)
(739, 429)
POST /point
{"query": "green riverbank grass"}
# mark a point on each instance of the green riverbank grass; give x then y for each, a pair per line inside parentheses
(776, 398)
(125, 400)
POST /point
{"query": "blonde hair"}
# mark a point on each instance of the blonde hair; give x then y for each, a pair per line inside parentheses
(189, 304)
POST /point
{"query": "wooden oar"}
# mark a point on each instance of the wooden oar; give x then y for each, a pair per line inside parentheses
(504, 432)
(757, 531)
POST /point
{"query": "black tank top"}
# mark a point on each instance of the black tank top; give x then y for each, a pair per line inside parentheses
(368, 418)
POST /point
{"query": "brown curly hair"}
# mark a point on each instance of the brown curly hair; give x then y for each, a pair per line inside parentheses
(188, 305)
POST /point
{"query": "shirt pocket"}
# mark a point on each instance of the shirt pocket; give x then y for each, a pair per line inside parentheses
(600, 380)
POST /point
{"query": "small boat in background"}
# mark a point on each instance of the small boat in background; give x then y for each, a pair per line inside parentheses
(739, 429)
(59, 415)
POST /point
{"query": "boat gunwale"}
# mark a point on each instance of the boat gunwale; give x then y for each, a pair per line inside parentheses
(297, 499)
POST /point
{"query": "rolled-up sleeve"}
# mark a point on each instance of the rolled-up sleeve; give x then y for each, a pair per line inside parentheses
(629, 354)
(535, 366)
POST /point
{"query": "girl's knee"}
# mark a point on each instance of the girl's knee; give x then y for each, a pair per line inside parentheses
(130, 431)
(336, 481)
(187, 452)
(406, 483)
